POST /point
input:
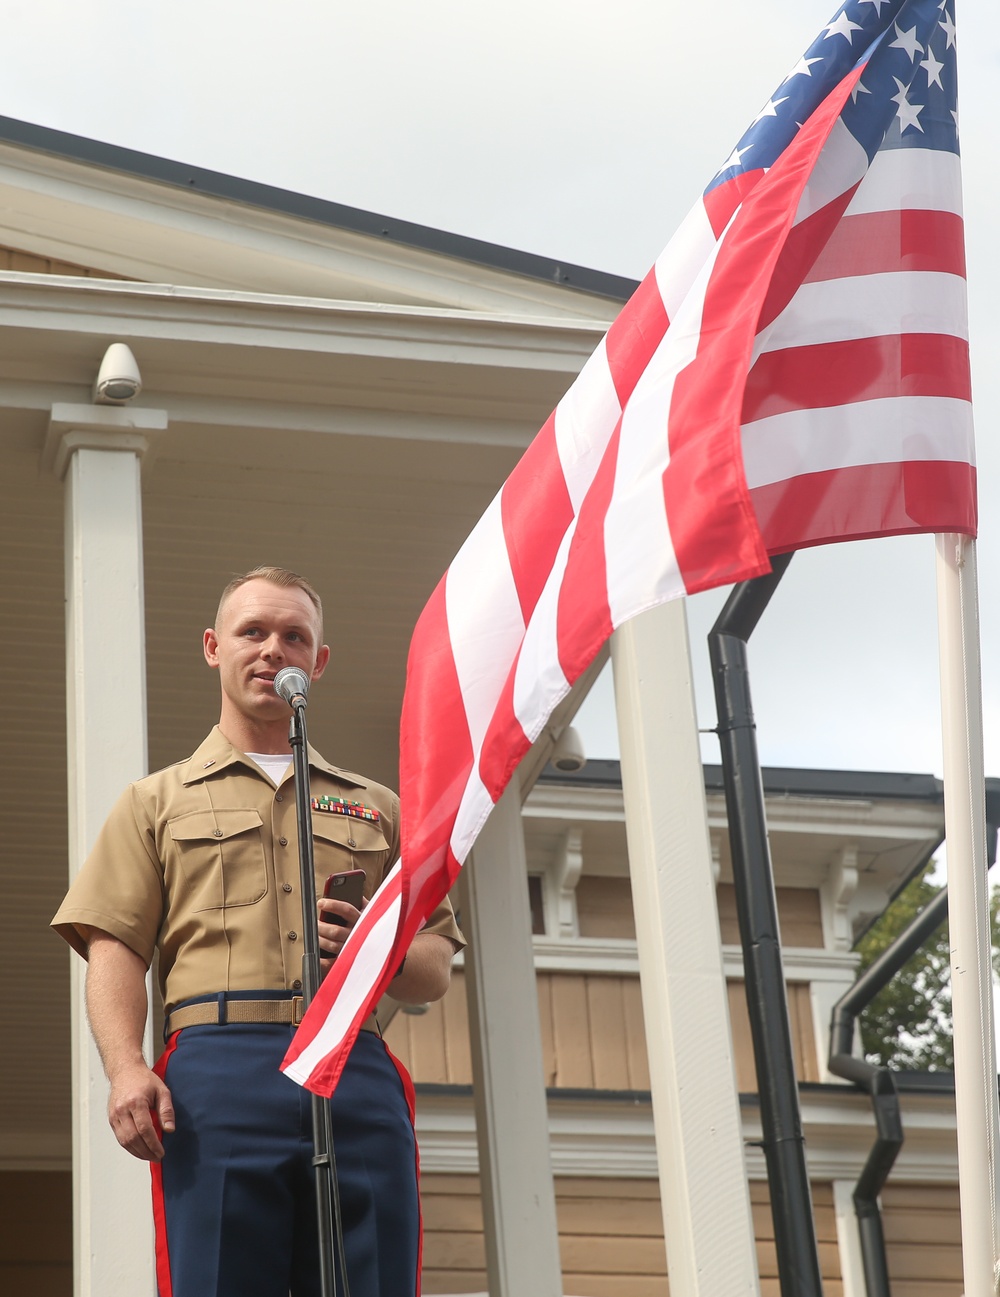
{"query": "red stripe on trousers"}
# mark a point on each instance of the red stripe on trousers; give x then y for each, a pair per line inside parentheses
(870, 500)
(164, 1283)
(859, 369)
(411, 1103)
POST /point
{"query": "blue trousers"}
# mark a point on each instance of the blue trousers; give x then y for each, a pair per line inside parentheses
(234, 1198)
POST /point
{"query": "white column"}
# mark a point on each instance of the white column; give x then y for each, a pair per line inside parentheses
(707, 1220)
(97, 452)
(852, 1269)
(968, 913)
(515, 1168)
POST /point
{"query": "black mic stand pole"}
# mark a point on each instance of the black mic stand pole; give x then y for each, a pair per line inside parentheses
(323, 1158)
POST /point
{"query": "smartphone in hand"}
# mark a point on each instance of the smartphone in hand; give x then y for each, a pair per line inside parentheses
(348, 886)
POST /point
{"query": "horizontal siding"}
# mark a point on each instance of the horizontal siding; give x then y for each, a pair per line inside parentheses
(592, 1034)
(923, 1235)
(610, 1237)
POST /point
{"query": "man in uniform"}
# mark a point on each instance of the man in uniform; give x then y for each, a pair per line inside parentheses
(200, 863)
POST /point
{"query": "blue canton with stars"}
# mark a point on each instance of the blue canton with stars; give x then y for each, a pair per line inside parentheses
(907, 96)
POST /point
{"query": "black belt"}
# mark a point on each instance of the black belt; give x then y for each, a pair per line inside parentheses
(220, 1011)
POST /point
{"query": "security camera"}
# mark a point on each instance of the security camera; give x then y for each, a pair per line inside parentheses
(118, 379)
(568, 755)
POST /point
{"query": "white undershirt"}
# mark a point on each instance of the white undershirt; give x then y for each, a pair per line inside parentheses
(274, 766)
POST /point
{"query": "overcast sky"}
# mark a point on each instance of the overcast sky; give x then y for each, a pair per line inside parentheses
(583, 131)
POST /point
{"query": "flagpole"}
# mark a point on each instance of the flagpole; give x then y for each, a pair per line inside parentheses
(976, 1100)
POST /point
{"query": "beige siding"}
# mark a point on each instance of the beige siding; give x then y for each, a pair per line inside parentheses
(799, 916)
(30, 264)
(592, 1034)
(610, 1237)
(604, 908)
(923, 1234)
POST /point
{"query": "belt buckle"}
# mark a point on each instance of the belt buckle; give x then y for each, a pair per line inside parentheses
(298, 1009)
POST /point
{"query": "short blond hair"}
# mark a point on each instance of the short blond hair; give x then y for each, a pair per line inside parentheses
(279, 576)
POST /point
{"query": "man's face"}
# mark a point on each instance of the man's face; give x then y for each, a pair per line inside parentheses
(262, 628)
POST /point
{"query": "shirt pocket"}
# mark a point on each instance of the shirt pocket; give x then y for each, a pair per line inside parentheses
(342, 842)
(221, 855)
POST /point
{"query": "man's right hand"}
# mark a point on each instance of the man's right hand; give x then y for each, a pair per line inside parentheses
(140, 1110)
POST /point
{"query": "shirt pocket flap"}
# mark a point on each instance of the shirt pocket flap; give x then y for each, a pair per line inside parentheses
(346, 831)
(213, 825)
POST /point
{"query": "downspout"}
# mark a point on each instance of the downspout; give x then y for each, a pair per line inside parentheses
(879, 1081)
(783, 1142)
(880, 1084)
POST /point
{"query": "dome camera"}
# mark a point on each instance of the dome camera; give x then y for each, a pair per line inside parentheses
(118, 379)
(568, 755)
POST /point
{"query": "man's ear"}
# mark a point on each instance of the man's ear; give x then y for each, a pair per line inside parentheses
(322, 658)
(210, 644)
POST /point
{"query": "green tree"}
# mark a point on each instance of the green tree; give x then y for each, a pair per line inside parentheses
(908, 1024)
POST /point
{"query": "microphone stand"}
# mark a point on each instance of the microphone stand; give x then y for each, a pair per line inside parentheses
(327, 1192)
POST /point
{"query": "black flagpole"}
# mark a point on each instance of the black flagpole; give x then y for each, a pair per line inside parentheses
(327, 1204)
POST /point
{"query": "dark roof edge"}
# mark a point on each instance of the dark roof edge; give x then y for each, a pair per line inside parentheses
(792, 781)
(216, 184)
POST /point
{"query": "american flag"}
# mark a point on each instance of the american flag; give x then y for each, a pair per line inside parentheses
(792, 371)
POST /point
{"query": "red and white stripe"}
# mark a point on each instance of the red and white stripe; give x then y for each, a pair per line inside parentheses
(634, 491)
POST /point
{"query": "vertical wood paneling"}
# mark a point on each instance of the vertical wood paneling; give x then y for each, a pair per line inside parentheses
(635, 1034)
(572, 1034)
(609, 1049)
(455, 1014)
(592, 1034)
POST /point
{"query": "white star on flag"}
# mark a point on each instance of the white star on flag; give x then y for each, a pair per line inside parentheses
(907, 41)
(933, 68)
(841, 26)
(770, 109)
(949, 29)
(802, 68)
(907, 112)
(878, 4)
(733, 160)
(859, 86)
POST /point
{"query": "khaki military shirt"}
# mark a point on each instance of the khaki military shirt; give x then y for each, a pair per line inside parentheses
(201, 862)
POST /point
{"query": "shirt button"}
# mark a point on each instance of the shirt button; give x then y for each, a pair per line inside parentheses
(279, 797)
(286, 887)
(296, 985)
(293, 936)
(217, 833)
(283, 841)
(351, 842)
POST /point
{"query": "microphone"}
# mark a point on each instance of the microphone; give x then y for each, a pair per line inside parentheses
(292, 684)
